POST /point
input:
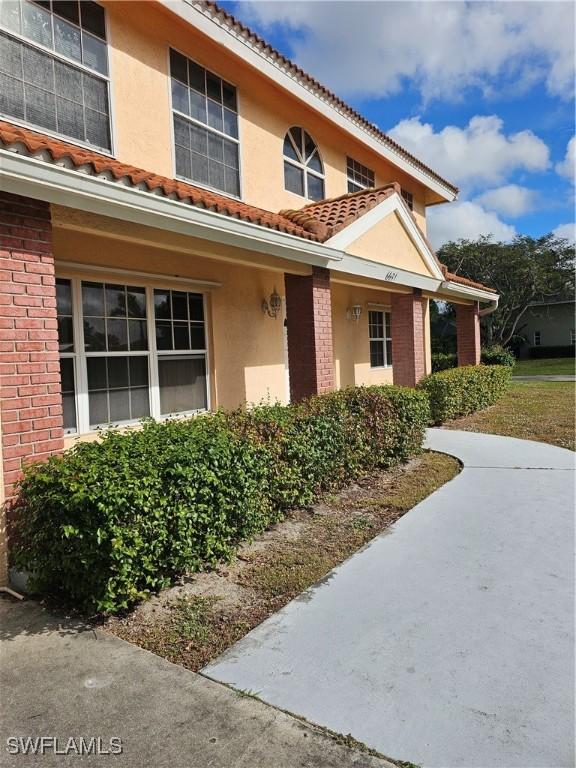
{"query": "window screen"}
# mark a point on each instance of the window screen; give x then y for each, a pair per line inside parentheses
(205, 126)
(46, 88)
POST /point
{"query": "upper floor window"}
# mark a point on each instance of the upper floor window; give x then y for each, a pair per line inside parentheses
(303, 170)
(54, 68)
(359, 176)
(205, 126)
(409, 198)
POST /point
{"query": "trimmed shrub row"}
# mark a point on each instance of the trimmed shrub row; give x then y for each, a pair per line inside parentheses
(109, 522)
(539, 353)
(460, 391)
(496, 355)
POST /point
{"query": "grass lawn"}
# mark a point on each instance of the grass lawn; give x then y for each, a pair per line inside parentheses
(558, 366)
(536, 410)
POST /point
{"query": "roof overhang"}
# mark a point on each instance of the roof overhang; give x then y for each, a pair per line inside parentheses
(273, 68)
(43, 180)
(392, 204)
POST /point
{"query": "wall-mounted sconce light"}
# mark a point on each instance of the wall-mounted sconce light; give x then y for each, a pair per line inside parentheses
(354, 313)
(272, 306)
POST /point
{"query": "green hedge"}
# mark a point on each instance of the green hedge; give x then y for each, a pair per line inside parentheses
(109, 522)
(442, 361)
(540, 353)
(460, 391)
(496, 355)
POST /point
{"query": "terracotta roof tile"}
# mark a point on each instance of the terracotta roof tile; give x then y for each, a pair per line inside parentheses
(218, 14)
(316, 221)
(464, 280)
(100, 164)
(327, 217)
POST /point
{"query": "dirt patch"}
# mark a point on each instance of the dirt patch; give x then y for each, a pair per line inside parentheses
(195, 620)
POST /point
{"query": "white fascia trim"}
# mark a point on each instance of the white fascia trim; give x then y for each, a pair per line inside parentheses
(272, 69)
(376, 270)
(41, 180)
(392, 204)
(467, 292)
(35, 178)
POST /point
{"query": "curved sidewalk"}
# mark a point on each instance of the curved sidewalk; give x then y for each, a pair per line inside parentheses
(448, 640)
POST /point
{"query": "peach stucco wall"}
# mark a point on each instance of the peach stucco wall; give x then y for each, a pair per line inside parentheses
(389, 243)
(246, 353)
(350, 338)
(140, 35)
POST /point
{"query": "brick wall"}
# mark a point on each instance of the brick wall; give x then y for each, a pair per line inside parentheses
(468, 334)
(408, 355)
(309, 325)
(30, 399)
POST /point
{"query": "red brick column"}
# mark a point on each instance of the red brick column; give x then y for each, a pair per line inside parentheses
(309, 326)
(408, 360)
(30, 399)
(468, 334)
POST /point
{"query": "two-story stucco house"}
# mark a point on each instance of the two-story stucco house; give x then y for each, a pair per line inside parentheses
(189, 221)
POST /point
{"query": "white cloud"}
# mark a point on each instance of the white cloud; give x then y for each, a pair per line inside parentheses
(465, 220)
(372, 48)
(510, 200)
(567, 231)
(480, 153)
(568, 166)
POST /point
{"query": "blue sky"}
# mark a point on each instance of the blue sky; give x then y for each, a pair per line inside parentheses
(483, 92)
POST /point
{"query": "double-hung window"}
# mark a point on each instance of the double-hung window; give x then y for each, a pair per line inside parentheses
(205, 114)
(380, 332)
(54, 68)
(129, 351)
(537, 338)
(359, 176)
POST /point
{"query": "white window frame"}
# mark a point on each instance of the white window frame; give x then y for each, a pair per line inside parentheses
(387, 326)
(358, 185)
(303, 166)
(573, 336)
(408, 198)
(174, 111)
(82, 67)
(537, 338)
(152, 354)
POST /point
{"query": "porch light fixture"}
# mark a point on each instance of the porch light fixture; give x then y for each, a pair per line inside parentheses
(354, 313)
(272, 306)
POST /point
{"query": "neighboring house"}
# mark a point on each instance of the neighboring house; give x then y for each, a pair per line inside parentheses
(549, 324)
(173, 189)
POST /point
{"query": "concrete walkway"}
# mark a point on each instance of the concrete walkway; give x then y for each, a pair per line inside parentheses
(61, 679)
(448, 641)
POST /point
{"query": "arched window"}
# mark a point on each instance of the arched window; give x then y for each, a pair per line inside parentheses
(303, 171)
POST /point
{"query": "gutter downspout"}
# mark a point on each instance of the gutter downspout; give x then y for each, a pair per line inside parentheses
(492, 307)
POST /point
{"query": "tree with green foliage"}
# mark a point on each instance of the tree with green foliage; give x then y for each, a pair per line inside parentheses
(522, 271)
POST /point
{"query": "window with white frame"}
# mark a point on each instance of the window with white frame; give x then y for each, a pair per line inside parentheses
(129, 351)
(303, 169)
(359, 176)
(380, 332)
(537, 338)
(54, 68)
(409, 198)
(205, 112)
(573, 336)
